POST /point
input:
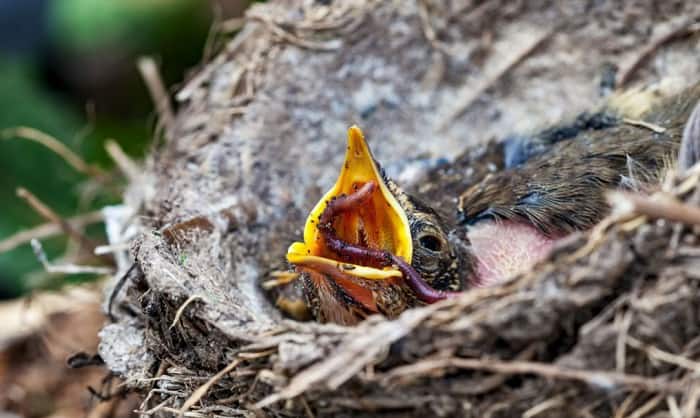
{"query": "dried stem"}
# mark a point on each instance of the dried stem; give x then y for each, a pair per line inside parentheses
(49, 230)
(180, 310)
(159, 94)
(284, 35)
(50, 142)
(47, 213)
(665, 356)
(656, 207)
(593, 377)
(65, 268)
(127, 166)
(202, 390)
(642, 124)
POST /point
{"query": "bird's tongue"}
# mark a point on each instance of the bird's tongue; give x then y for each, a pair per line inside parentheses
(504, 249)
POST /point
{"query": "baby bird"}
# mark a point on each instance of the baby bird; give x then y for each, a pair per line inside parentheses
(370, 248)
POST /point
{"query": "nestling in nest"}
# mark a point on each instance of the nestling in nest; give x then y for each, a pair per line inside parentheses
(369, 247)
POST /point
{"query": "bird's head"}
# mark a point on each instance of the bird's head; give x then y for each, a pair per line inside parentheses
(360, 238)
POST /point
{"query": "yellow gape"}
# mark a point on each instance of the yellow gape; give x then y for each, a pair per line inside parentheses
(380, 224)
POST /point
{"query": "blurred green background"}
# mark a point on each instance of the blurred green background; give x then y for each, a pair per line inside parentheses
(68, 68)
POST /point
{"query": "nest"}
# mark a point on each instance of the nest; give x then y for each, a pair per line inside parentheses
(608, 325)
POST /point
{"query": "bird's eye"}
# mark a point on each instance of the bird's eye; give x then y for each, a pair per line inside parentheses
(430, 242)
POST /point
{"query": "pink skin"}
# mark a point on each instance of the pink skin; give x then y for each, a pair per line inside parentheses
(504, 249)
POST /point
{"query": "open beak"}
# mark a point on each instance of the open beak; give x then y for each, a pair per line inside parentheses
(380, 224)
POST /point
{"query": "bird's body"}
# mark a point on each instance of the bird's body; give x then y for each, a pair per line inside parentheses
(560, 189)
(480, 229)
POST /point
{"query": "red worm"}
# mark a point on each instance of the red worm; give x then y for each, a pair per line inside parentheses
(420, 288)
(356, 254)
(350, 253)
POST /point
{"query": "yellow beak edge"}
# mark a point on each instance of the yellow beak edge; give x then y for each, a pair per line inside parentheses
(391, 230)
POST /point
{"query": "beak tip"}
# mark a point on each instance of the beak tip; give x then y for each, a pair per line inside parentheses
(354, 132)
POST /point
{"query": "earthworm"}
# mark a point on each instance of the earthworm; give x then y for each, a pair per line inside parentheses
(350, 253)
(356, 254)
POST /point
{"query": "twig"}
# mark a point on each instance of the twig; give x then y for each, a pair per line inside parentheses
(642, 124)
(257, 354)
(359, 349)
(596, 237)
(181, 309)
(691, 404)
(684, 29)
(185, 414)
(621, 344)
(592, 377)
(49, 230)
(469, 96)
(159, 94)
(307, 408)
(210, 44)
(65, 268)
(625, 405)
(673, 409)
(197, 80)
(47, 213)
(54, 145)
(155, 408)
(604, 315)
(233, 24)
(476, 13)
(646, 407)
(111, 249)
(124, 162)
(655, 207)
(544, 406)
(692, 178)
(331, 45)
(202, 390)
(665, 356)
